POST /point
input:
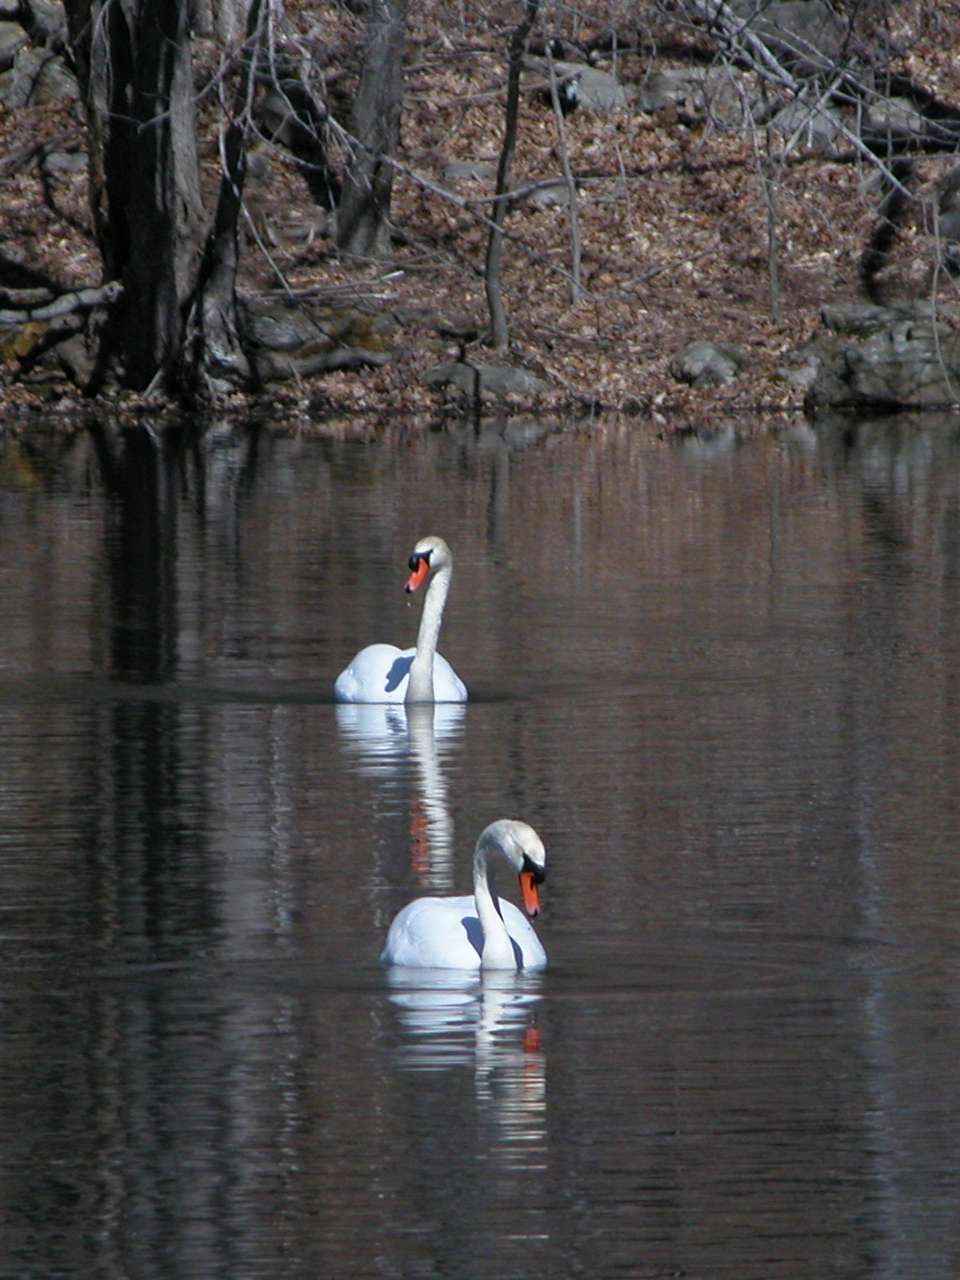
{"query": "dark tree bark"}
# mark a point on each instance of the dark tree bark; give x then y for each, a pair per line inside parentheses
(134, 66)
(518, 47)
(217, 350)
(363, 216)
(177, 324)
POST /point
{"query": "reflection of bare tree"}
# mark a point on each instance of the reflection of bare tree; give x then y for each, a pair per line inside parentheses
(153, 480)
(493, 442)
(139, 527)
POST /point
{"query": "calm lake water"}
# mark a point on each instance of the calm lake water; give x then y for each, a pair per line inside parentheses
(721, 679)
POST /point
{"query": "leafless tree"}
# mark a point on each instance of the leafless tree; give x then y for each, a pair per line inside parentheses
(363, 222)
(134, 67)
(518, 46)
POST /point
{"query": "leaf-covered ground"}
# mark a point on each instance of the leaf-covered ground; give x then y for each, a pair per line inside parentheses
(672, 220)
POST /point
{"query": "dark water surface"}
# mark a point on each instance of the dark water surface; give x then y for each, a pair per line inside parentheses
(722, 681)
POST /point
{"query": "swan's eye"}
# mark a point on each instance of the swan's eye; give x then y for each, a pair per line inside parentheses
(539, 873)
(417, 557)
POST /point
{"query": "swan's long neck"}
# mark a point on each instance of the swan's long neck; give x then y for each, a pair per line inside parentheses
(420, 683)
(498, 950)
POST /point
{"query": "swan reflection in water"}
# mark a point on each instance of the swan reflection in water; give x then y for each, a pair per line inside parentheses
(486, 1020)
(384, 739)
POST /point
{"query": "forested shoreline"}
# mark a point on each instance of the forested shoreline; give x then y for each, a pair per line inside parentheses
(333, 211)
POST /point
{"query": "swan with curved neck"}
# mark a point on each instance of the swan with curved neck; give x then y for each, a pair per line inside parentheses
(384, 673)
(480, 931)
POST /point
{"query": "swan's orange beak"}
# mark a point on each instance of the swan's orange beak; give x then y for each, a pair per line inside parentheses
(531, 894)
(420, 567)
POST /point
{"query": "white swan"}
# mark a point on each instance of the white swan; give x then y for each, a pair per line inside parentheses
(482, 931)
(384, 673)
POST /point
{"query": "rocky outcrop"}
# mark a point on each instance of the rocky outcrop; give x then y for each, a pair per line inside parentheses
(479, 380)
(33, 70)
(280, 341)
(296, 341)
(807, 35)
(898, 357)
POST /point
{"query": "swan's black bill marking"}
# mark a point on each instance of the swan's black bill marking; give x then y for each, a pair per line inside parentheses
(539, 873)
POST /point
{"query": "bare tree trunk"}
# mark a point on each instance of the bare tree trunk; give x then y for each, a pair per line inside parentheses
(575, 254)
(217, 348)
(769, 178)
(134, 65)
(770, 174)
(363, 225)
(518, 47)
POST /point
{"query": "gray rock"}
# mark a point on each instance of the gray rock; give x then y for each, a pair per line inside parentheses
(708, 364)
(46, 23)
(65, 162)
(817, 128)
(469, 170)
(39, 76)
(485, 379)
(906, 366)
(801, 367)
(908, 363)
(550, 194)
(897, 119)
(662, 89)
(714, 94)
(13, 38)
(863, 318)
(288, 342)
(76, 359)
(596, 90)
(806, 34)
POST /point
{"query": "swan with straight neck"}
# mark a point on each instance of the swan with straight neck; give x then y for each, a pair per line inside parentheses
(384, 673)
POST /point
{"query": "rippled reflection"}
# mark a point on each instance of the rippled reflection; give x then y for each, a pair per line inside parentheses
(488, 1022)
(385, 741)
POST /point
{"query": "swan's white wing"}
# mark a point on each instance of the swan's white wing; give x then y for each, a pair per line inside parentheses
(435, 933)
(444, 933)
(378, 673)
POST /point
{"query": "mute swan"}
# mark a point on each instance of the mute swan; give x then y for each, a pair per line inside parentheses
(482, 931)
(384, 673)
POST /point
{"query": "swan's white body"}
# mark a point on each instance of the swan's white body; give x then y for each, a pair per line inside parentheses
(478, 931)
(384, 673)
(381, 673)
